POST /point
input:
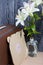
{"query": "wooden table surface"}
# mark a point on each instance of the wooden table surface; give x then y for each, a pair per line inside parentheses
(38, 60)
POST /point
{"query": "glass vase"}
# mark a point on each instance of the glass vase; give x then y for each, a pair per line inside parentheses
(32, 47)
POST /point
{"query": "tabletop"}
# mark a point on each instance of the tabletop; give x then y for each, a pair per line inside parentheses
(37, 60)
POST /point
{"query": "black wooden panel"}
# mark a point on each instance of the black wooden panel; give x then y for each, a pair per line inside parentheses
(11, 11)
(8, 10)
(3, 6)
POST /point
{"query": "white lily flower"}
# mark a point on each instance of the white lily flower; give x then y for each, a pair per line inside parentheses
(29, 8)
(37, 2)
(19, 21)
(20, 18)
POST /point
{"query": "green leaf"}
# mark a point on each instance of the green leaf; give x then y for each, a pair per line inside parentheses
(29, 33)
(24, 28)
(36, 16)
(35, 32)
(27, 28)
(33, 27)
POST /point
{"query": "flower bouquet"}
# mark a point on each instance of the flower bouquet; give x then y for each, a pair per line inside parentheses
(30, 10)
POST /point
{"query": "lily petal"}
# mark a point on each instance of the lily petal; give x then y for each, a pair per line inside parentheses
(37, 2)
(36, 9)
(25, 4)
(18, 11)
(17, 17)
(23, 10)
(17, 22)
(22, 23)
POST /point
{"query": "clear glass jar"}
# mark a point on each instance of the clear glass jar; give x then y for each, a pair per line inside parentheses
(32, 47)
